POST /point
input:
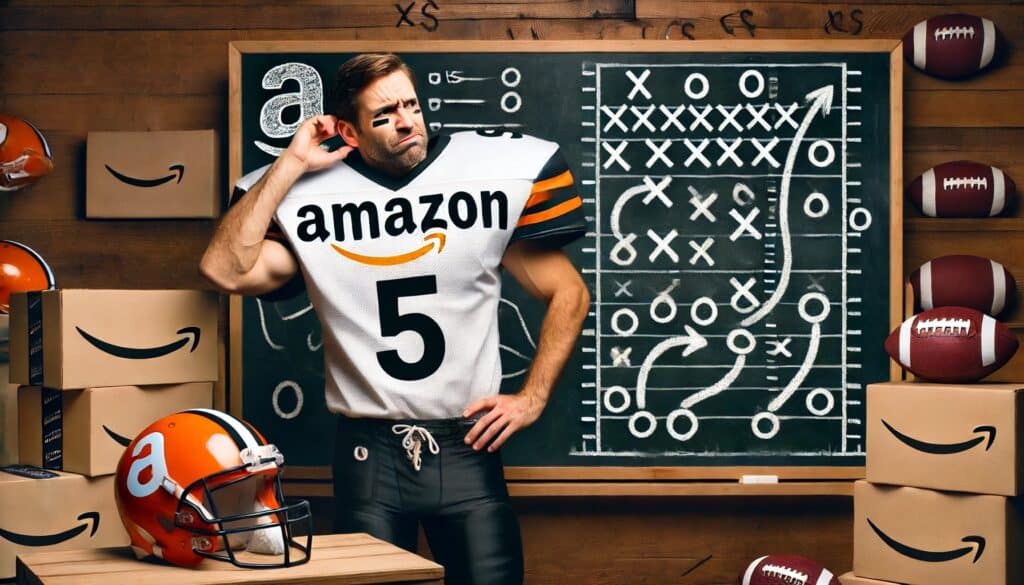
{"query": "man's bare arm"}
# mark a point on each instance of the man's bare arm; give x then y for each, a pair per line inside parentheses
(239, 259)
(550, 276)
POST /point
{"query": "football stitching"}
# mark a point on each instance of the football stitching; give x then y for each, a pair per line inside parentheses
(950, 33)
(943, 327)
(786, 574)
(965, 183)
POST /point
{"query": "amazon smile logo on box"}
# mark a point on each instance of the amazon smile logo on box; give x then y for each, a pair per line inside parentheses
(98, 338)
(144, 353)
(176, 170)
(142, 174)
(931, 556)
(119, 439)
(985, 431)
(89, 518)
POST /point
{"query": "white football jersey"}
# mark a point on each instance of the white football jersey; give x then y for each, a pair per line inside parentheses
(404, 272)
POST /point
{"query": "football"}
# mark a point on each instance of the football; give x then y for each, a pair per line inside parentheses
(962, 188)
(951, 345)
(963, 281)
(953, 46)
(787, 570)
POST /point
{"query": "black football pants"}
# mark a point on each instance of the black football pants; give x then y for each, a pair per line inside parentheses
(458, 494)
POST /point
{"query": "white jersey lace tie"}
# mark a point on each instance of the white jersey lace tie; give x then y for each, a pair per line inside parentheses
(412, 441)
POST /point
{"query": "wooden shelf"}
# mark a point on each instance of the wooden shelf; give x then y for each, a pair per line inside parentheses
(548, 489)
(987, 224)
(675, 489)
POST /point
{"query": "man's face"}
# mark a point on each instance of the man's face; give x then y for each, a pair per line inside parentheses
(391, 132)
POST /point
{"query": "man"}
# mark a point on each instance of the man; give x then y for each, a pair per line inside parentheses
(400, 240)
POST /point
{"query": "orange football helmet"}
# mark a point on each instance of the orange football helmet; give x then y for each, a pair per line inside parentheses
(24, 154)
(203, 484)
(21, 270)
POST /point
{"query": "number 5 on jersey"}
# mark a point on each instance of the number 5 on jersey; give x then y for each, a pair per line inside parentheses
(392, 323)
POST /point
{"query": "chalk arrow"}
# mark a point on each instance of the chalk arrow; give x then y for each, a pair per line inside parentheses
(801, 374)
(821, 101)
(693, 341)
(717, 387)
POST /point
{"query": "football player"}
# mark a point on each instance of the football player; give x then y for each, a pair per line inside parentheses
(400, 239)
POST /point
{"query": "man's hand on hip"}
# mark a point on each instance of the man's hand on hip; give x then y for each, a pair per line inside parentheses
(505, 414)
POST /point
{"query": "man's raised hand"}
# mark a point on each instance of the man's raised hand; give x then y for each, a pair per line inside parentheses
(306, 145)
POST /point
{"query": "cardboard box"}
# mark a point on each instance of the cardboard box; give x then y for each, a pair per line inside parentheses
(851, 579)
(153, 174)
(80, 338)
(926, 537)
(947, 436)
(61, 512)
(24, 346)
(8, 418)
(87, 430)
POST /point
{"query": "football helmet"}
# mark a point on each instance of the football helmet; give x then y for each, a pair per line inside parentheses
(21, 270)
(202, 484)
(24, 154)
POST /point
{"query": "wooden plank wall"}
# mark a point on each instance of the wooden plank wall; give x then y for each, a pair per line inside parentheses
(72, 67)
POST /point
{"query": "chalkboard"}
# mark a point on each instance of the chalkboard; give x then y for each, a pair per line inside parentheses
(743, 248)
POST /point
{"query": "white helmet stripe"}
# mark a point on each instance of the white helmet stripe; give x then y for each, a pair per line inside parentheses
(998, 288)
(42, 139)
(243, 432)
(905, 331)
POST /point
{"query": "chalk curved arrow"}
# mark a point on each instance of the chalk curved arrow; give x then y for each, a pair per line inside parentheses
(625, 242)
(176, 170)
(119, 439)
(801, 374)
(693, 341)
(820, 101)
(51, 539)
(144, 353)
(719, 386)
(932, 556)
(945, 448)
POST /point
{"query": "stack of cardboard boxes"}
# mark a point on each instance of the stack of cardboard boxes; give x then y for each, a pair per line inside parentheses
(93, 368)
(944, 464)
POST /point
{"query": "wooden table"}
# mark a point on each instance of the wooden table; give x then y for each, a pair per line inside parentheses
(336, 558)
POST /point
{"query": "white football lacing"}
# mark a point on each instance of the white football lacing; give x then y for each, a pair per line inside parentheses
(786, 574)
(943, 326)
(954, 32)
(965, 183)
(413, 442)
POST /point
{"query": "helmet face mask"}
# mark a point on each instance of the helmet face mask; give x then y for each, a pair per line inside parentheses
(200, 484)
(220, 528)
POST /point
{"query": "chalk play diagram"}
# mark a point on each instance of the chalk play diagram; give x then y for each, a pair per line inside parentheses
(726, 238)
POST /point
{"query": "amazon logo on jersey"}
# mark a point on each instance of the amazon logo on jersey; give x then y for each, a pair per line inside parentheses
(343, 222)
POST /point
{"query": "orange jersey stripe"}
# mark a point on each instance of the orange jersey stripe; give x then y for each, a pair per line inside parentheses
(563, 180)
(556, 211)
(537, 198)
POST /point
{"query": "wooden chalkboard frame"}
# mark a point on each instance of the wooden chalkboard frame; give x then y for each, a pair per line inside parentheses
(607, 480)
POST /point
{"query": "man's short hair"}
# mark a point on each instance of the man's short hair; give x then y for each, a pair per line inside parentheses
(358, 72)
